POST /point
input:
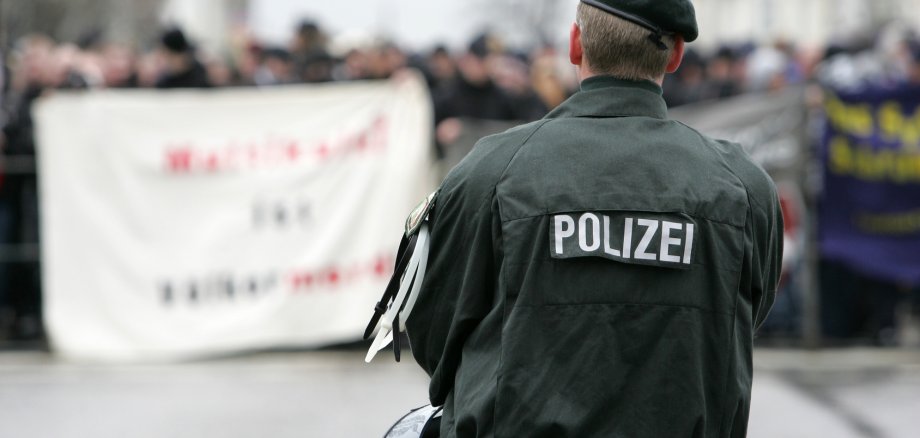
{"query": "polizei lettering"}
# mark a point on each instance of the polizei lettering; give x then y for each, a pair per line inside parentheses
(648, 239)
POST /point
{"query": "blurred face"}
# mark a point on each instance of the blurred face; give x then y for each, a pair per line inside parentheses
(219, 74)
(692, 74)
(356, 64)
(739, 71)
(149, 69)
(378, 63)
(279, 68)
(319, 72)
(547, 83)
(175, 62)
(510, 74)
(62, 60)
(308, 39)
(719, 68)
(247, 63)
(441, 66)
(474, 69)
(117, 65)
(395, 59)
(35, 59)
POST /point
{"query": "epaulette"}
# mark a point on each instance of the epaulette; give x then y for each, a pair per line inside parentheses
(399, 297)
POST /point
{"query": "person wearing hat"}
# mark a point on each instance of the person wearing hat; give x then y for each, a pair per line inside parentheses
(182, 68)
(600, 272)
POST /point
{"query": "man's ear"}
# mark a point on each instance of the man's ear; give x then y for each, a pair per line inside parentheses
(677, 55)
(576, 52)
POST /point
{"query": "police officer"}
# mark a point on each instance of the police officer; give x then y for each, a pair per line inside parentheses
(600, 272)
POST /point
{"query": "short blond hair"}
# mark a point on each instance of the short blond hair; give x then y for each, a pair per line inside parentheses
(619, 48)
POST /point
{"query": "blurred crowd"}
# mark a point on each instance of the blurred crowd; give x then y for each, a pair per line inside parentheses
(484, 80)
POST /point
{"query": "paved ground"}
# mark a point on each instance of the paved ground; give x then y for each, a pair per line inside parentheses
(840, 394)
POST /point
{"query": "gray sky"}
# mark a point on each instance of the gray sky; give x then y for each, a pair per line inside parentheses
(415, 23)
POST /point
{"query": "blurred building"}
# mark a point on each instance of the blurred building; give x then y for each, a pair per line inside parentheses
(206, 21)
(422, 24)
(805, 22)
(81, 21)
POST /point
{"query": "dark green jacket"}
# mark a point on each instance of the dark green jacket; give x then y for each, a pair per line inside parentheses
(598, 273)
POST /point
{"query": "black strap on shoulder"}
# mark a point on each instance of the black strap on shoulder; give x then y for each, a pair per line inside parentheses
(403, 255)
(396, 337)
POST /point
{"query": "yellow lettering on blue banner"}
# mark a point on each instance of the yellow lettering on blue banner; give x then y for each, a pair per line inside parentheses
(856, 119)
(864, 162)
(890, 224)
(890, 120)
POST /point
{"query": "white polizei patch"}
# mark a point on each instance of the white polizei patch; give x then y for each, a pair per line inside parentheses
(627, 238)
(565, 228)
(667, 241)
(651, 227)
(662, 239)
(594, 232)
(607, 234)
(688, 248)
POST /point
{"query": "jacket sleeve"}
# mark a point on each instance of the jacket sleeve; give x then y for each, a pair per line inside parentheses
(459, 286)
(768, 255)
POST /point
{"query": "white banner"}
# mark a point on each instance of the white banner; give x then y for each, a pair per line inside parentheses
(188, 223)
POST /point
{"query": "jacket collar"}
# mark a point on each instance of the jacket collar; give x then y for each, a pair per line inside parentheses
(606, 96)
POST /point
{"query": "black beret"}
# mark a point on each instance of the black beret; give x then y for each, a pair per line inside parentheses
(480, 46)
(174, 41)
(659, 16)
(308, 26)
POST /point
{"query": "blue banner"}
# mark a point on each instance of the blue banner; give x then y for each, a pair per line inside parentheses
(870, 208)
